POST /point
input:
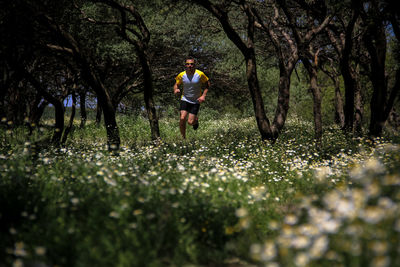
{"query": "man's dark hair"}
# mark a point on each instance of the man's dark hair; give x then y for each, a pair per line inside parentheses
(190, 58)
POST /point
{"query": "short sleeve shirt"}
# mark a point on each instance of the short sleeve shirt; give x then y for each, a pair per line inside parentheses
(191, 85)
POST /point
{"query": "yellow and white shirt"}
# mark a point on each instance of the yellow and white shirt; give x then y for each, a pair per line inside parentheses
(191, 85)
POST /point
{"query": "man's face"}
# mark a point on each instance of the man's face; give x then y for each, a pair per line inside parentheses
(189, 64)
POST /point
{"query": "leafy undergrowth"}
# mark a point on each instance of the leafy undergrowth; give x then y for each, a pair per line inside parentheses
(220, 198)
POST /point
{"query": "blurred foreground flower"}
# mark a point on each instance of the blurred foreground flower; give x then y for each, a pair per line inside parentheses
(360, 220)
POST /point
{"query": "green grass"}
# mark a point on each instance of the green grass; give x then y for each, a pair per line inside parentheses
(220, 198)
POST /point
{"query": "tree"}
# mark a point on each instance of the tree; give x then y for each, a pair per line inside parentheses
(15, 49)
(247, 48)
(132, 28)
(341, 32)
(63, 35)
(56, 101)
(305, 29)
(72, 47)
(41, 35)
(288, 56)
(375, 16)
(333, 73)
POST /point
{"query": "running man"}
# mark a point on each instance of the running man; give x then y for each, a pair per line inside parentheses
(192, 82)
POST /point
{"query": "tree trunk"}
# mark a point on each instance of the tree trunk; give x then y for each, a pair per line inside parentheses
(104, 104)
(104, 100)
(113, 139)
(82, 99)
(39, 113)
(358, 110)
(99, 111)
(375, 40)
(71, 120)
(4, 86)
(283, 98)
(36, 112)
(339, 112)
(345, 68)
(59, 125)
(349, 98)
(148, 94)
(16, 108)
(256, 97)
(316, 92)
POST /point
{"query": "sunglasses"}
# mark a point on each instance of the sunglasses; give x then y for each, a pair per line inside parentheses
(189, 64)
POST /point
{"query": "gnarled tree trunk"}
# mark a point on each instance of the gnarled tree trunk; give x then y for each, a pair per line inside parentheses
(316, 92)
(283, 97)
(82, 99)
(339, 113)
(148, 94)
(255, 92)
(359, 110)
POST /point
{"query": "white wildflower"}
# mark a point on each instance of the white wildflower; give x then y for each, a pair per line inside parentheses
(319, 247)
(241, 212)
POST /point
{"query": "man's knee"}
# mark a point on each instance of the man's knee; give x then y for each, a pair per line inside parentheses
(183, 117)
(191, 121)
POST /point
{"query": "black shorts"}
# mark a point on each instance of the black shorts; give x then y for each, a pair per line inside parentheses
(189, 107)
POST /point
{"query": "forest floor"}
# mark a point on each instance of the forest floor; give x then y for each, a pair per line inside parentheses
(220, 198)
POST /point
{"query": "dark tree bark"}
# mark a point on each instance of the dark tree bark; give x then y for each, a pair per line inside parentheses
(359, 109)
(283, 99)
(339, 112)
(4, 85)
(344, 46)
(375, 41)
(258, 104)
(99, 112)
(352, 107)
(349, 84)
(317, 99)
(148, 94)
(82, 100)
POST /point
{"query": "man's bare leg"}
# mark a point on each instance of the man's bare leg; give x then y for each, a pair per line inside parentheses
(193, 120)
(182, 123)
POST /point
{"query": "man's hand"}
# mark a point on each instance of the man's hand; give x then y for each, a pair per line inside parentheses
(177, 91)
(201, 99)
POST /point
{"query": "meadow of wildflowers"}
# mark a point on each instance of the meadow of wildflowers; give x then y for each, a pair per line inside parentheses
(220, 198)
